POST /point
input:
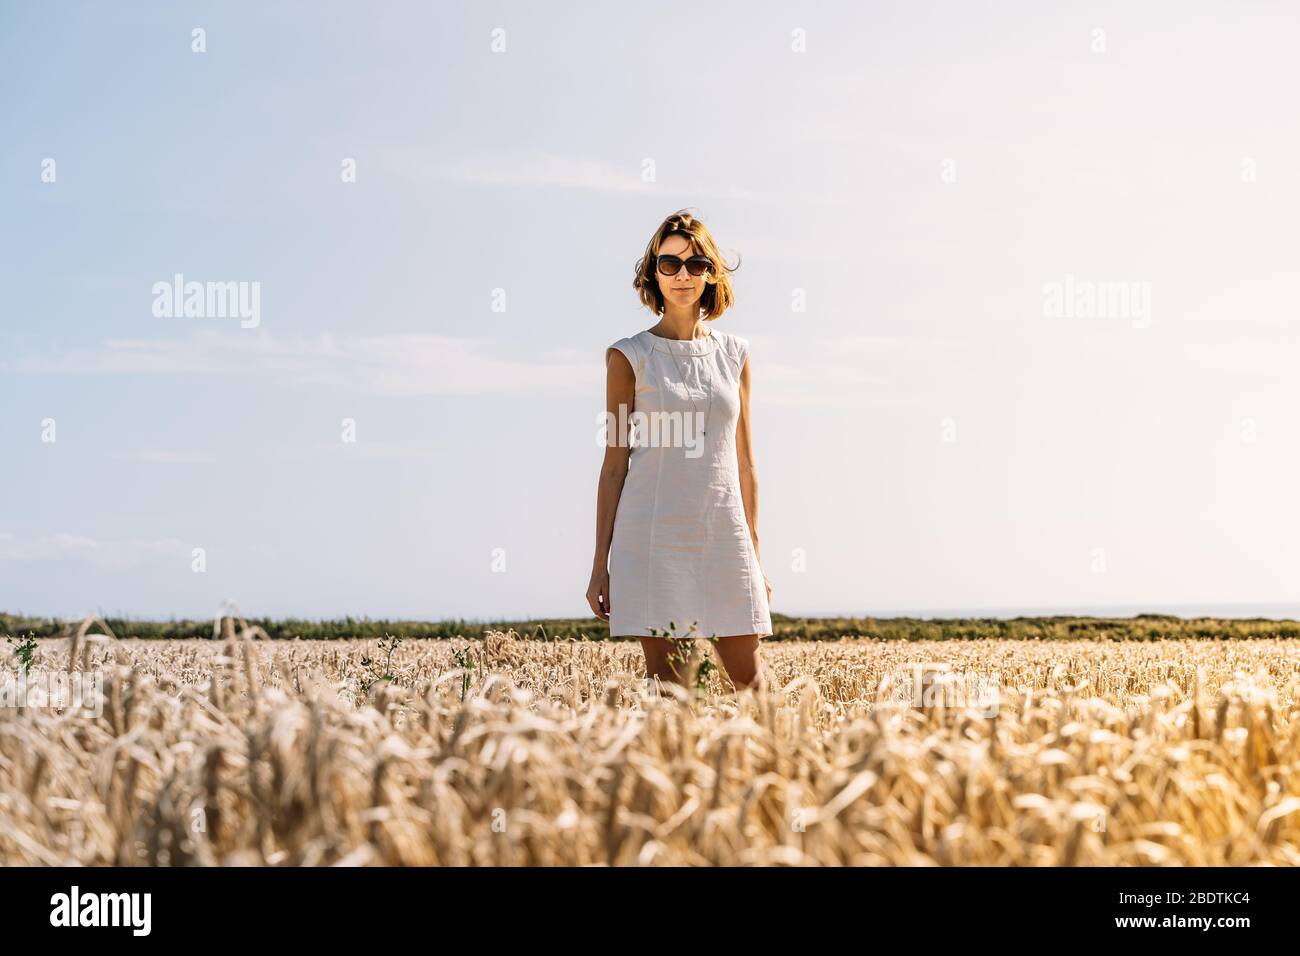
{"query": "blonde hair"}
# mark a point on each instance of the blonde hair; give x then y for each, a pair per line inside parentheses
(718, 295)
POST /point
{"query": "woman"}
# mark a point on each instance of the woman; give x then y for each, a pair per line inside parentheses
(677, 506)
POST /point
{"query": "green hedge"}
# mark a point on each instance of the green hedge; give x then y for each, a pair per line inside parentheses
(1145, 627)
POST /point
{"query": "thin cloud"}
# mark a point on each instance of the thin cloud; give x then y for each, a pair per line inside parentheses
(109, 555)
(168, 457)
(542, 169)
(821, 376)
(385, 364)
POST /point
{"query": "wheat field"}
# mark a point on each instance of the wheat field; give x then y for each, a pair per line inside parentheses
(504, 751)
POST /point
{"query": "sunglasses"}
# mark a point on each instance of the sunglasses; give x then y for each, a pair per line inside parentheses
(695, 265)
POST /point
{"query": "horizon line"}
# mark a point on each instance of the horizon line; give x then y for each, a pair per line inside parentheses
(1244, 610)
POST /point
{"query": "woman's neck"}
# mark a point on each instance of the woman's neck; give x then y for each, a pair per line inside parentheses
(679, 325)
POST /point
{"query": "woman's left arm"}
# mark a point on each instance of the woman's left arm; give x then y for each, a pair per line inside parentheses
(745, 465)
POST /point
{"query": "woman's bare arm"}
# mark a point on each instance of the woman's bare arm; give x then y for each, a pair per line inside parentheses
(620, 386)
(745, 460)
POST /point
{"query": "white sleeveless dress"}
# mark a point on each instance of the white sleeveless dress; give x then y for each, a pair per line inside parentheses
(681, 550)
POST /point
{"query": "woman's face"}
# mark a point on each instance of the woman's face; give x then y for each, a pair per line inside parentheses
(682, 289)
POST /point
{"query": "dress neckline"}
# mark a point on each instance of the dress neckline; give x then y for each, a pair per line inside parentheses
(701, 346)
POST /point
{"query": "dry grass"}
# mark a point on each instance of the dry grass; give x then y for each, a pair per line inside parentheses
(243, 751)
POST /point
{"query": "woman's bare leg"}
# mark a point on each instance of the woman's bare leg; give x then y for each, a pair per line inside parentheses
(657, 663)
(740, 657)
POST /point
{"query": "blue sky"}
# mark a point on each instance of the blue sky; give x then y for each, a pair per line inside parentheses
(928, 435)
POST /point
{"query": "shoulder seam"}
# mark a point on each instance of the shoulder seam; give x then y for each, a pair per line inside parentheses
(632, 347)
(739, 345)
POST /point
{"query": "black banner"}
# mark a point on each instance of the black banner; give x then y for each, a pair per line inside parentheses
(339, 905)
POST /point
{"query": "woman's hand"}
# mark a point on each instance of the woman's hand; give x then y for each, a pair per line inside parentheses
(598, 593)
(766, 583)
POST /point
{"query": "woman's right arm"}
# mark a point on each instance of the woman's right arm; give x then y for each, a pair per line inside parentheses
(620, 386)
